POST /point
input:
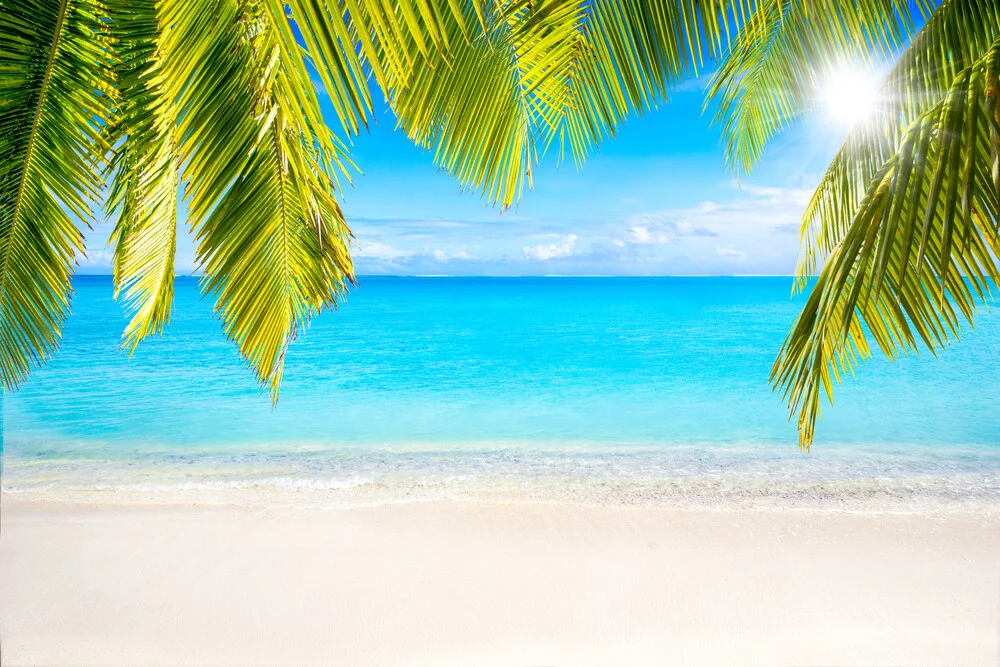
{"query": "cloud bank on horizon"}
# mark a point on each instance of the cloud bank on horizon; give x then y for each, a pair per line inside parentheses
(753, 231)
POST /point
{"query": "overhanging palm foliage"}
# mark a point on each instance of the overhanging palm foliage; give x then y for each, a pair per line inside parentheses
(905, 218)
(54, 83)
(212, 102)
(769, 76)
(529, 74)
(918, 252)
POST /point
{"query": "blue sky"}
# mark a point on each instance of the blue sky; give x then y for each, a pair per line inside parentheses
(655, 200)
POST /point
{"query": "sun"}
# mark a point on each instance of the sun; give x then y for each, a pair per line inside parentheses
(850, 95)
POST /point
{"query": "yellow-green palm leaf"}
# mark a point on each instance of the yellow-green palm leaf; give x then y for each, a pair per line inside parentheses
(145, 170)
(53, 82)
(917, 255)
(769, 75)
(904, 218)
(957, 34)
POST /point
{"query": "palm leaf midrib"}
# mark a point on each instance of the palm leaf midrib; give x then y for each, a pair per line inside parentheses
(282, 196)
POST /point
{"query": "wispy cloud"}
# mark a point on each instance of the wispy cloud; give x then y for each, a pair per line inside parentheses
(561, 248)
(796, 196)
(748, 229)
(410, 223)
(443, 256)
(376, 250)
(640, 235)
(729, 252)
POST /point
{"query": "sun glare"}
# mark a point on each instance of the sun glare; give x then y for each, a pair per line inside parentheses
(849, 95)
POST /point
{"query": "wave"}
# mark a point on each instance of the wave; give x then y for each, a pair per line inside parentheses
(282, 483)
(869, 494)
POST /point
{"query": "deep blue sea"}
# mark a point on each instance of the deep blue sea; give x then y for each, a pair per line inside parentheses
(620, 389)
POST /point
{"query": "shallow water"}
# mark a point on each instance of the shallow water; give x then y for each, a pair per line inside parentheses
(606, 389)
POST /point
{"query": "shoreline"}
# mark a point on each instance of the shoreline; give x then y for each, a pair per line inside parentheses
(741, 478)
(913, 496)
(471, 582)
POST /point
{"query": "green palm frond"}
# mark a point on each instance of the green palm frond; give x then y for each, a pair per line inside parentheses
(481, 108)
(53, 83)
(145, 170)
(388, 38)
(275, 253)
(216, 95)
(273, 244)
(920, 250)
(956, 35)
(770, 73)
(633, 52)
(181, 91)
(532, 72)
(883, 217)
(332, 51)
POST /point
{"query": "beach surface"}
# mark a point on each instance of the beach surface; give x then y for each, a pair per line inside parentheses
(471, 583)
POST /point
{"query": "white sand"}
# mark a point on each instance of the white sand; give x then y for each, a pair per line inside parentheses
(451, 583)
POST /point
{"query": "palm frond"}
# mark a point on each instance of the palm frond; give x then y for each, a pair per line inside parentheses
(956, 35)
(919, 253)
(333, 52)
(272, 258)
(260, 175)
(479, 108)
(53, 83)
(388, 38)
(771, 71)
(145, 170)
(571, 70)
(633, 52)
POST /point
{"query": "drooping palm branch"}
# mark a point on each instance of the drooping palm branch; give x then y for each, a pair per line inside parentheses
(54, 83)
(206, 100)
(918, 253)
(904, 221)
(769, 75)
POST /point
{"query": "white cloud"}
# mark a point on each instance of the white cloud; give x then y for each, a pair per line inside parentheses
(756, 210)
(376, 250)
(746, 229)
(640, 235)
(729, 252)
(660, 227)
(442, 256)
(98, 257)
(688, 228)
(561, 248)
(752, 230)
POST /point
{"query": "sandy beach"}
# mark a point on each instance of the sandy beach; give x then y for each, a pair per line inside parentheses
(461, 583)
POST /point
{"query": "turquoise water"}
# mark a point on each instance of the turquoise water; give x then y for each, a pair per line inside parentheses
(450, 384)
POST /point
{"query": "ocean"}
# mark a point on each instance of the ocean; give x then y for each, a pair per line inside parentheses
(621, 390)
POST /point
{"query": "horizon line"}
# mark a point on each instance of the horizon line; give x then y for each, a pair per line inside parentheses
(524, 275)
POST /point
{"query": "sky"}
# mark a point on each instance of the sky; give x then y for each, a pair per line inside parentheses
(655, 200)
